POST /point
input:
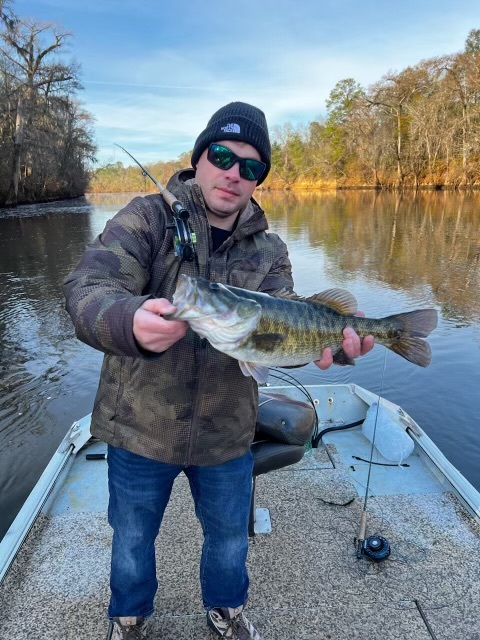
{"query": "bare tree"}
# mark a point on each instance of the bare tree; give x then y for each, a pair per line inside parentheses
(393, 93)
(30, 47)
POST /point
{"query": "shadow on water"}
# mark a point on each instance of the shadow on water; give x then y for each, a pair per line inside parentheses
(394, 253)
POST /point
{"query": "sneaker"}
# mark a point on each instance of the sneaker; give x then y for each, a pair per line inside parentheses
(231, 623)
(129, 628)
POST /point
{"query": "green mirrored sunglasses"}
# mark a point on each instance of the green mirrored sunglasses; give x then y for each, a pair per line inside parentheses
(223, 158)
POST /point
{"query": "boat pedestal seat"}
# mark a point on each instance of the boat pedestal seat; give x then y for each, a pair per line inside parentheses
(283, 428)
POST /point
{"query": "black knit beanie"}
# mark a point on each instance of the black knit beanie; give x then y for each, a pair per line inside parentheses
(237, 121)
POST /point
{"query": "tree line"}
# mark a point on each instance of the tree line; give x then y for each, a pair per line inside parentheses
(417, 128)
(46, 136)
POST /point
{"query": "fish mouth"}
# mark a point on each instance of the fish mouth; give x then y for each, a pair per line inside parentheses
(186, 291)
(192, 298)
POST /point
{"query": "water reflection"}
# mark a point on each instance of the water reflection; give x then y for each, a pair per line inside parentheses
(407, 241)
(37, 348)
(394, 252)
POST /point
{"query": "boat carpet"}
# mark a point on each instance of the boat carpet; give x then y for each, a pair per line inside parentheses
(306, 581)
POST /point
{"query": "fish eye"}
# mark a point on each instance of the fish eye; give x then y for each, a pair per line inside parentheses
(214, 286)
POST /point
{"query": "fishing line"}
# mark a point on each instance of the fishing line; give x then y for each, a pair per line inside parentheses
(392, 589)
(375, 547)
(290, 379)
(393, 585)
(395, 589)
(408, 552)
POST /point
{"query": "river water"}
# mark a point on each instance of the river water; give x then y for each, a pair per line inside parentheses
(392, 252)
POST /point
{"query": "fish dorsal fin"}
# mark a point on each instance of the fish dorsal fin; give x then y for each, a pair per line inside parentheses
(339, 299)
(288, 294)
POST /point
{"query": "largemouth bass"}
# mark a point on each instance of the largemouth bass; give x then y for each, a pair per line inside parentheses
(263, 331)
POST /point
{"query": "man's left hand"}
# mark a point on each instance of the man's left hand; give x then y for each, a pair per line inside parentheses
(352, 344)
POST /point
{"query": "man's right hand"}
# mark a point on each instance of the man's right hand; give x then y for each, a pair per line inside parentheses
(152, 331)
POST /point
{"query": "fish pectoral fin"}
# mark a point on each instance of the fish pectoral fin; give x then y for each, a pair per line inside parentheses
(267, 342)
(341, 358)
(256, 371)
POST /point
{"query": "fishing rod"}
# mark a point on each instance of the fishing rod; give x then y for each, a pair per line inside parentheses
(374, 547)
(184, 238)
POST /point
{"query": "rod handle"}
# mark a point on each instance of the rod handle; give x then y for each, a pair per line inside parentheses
(175, 205)
(361, 534)
(363, 526)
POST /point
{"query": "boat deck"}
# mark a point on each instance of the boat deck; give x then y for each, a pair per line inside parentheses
(306, 581)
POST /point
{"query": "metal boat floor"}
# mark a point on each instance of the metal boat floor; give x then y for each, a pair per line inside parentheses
(306, 581)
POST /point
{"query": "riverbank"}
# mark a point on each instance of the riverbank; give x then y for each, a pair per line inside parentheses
(269, 186)
(46, 200)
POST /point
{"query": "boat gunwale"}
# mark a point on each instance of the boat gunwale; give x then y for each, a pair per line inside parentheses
(75, 438)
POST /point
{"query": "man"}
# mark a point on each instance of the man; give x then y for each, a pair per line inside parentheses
(167, 401)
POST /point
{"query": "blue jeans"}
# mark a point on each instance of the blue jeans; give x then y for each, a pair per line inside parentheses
(139, 492)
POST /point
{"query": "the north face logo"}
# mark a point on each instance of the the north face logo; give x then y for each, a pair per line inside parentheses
(232, 127)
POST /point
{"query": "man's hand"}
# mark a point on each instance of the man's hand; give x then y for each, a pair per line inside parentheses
(352, 345)
(151, 331)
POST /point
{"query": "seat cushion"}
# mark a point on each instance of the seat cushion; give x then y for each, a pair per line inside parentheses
(269, 456)
(281, 419)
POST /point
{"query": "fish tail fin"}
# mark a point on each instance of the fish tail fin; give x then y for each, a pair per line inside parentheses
(412, 326)
(412, 349)
(419, 323)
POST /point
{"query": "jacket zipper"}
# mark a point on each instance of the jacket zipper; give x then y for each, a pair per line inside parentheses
(201, 353)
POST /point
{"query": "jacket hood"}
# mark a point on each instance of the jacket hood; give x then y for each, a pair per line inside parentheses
(251, 220)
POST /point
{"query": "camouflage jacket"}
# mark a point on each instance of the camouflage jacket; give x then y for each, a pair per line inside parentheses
(190, 404)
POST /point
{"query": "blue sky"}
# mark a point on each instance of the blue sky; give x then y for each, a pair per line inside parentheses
(154, 71)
